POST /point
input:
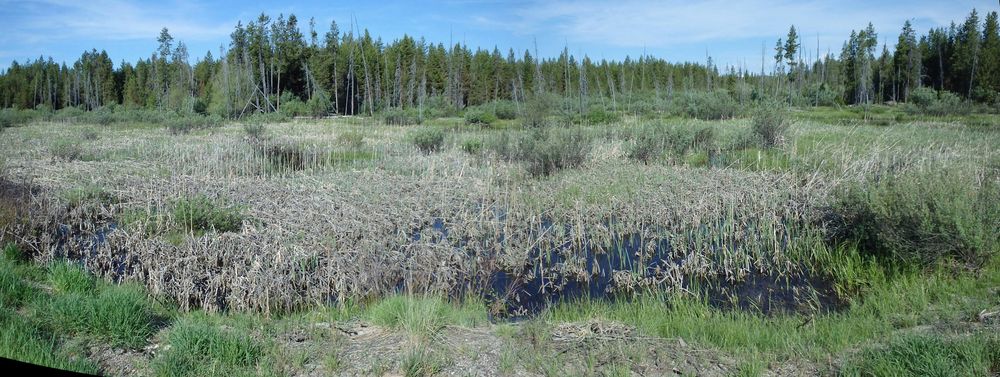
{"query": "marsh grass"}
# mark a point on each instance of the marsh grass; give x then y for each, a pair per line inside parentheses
(201, 214)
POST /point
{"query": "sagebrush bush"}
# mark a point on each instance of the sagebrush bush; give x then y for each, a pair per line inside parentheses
(653, 141)
(351, 139)
(713, 105)
(769, 124)
(427, 139)
(89, 134)
(920, 217)
(254, 129)
(927, 101)
(66, 150)
(183, 124)
(401, 117)
(201, 214)
(472, 146)
(544, 151)
(537, 109)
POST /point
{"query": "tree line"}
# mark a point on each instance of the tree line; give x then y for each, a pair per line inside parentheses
(269, 65)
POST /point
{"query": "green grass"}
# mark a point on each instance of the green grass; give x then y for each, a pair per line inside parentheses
(424, 316)
(66, 277)
(892, 301)
(200, 347)
(924, 355)
(23, 341)
(119, 315)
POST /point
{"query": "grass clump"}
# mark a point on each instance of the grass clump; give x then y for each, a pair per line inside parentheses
(14, 291)
(424, 316)
(66, 277)
(66, 150)
(254, 129)
(928, 355)
(204, 349)
(428, 139)
(23, 341)
(422, 362)
(88, 194)
(201, 214)
(120, 315)
(920, 217)
(351, 139)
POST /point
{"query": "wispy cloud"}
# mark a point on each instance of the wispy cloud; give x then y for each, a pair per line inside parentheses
(42, 21)
(632, 23)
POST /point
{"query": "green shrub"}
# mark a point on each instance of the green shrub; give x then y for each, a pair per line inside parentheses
(292, 106)
(428, 139)
(707, 105)
(266, 118)
(472, 146)
(479, 116)
(537, 109)
(653, 141)
(401, 117)
(15, 118)
(254, 129)
(602, 116)
(505, 109)
(920, 218)
(200, 214)
(187, 123)
(351, 139)
(926, 101)
(544, 151)
(769, 124)
(319, 104)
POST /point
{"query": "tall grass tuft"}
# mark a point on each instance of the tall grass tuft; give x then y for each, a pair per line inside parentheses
(200, 348)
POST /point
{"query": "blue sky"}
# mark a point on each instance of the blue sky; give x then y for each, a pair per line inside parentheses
(731, 31)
